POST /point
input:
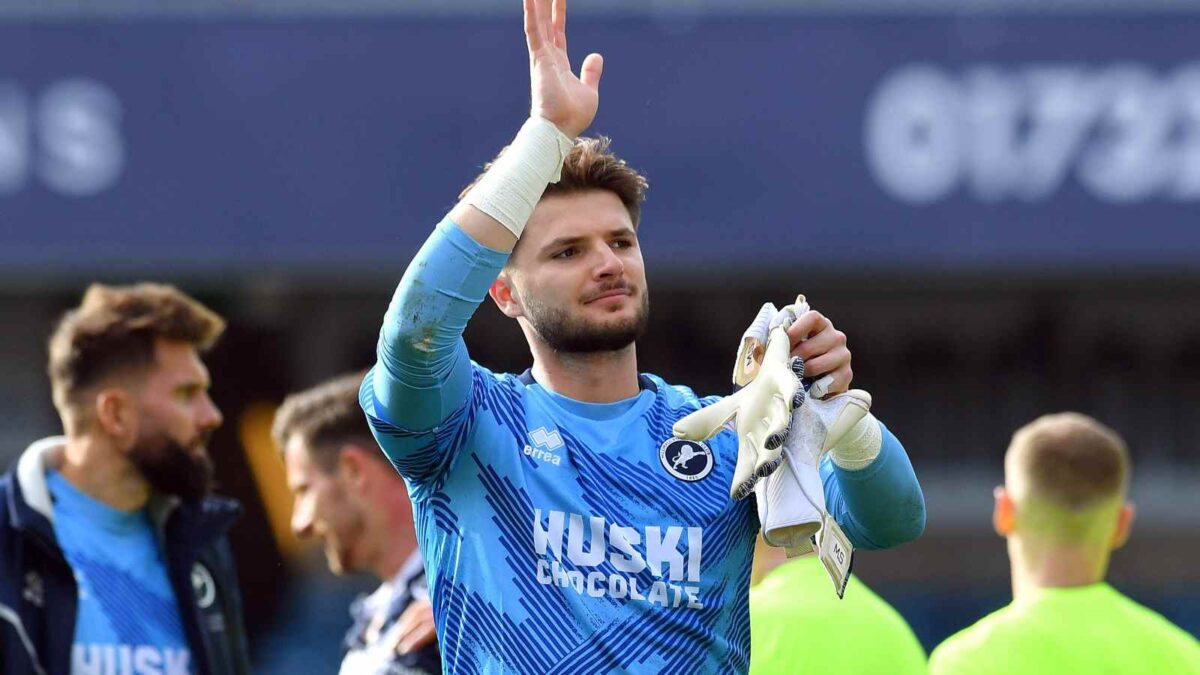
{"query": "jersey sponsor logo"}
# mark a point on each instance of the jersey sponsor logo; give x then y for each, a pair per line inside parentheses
(204, 588)
(545, 445)
(628, 550)
(686, 460)
(97, 659)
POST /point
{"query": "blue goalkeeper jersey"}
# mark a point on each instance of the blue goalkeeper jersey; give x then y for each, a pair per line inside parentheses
(565, 537)
(568, 537)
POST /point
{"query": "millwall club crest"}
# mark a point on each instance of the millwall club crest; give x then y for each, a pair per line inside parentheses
(203, 586)
(686, 460)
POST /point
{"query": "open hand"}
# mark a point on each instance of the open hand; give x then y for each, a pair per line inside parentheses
(559, 96)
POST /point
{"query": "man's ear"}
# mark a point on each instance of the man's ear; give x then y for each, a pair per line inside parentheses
(1004, 514)
(505, 296)
(1124, 526)
(116, 413)
(351, 467)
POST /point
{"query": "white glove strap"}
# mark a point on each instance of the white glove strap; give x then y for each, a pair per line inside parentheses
(515, 182)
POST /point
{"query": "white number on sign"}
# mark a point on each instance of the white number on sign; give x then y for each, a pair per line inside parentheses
(1124, 133)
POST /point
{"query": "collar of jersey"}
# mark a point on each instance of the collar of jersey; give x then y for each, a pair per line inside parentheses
(74, 503)
(598, 412)
(1069, 592)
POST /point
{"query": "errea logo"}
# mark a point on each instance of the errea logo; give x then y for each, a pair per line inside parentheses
(545, 445)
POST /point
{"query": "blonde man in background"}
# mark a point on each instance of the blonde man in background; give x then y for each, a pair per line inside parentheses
(1063, 510)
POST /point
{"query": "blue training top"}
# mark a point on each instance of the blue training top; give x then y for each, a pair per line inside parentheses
(567, 537)
(128, 619)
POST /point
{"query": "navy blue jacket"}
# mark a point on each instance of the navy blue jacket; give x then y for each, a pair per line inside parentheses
(38, 595)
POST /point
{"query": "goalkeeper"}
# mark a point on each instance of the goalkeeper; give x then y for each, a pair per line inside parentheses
(564, 528)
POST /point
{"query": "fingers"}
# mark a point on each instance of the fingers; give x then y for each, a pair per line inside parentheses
(754, 340)
(760, 327)
(533, 28)
(776, 426)
(826, 357)
(828, 342)
(797, 366)
(415, 627)
(706, 422)
(834, 362)
(743, 473)
(807, 325)
(823, 350)
(592, 69)
(559, 21)
(838, 382)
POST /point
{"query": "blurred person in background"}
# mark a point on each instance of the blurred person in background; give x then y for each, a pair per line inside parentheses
(348, 495)
(858, 633)
(113, 553)
(1063, 510)
(559, 531)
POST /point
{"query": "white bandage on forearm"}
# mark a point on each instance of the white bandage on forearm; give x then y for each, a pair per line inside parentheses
(860, 446)
(515, 182)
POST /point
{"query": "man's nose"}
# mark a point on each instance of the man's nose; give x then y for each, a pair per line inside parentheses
(302, 520)
(610, 264)
(210, 415)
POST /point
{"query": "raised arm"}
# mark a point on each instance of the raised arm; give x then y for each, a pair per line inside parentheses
(422, 379)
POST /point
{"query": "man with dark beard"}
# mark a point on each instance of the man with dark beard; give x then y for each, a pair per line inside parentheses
(564, 528)
(113, 556)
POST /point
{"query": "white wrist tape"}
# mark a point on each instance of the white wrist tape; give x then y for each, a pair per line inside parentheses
(860, 446)
(515, 182)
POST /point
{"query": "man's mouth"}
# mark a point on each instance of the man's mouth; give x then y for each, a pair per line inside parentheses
(612, 293)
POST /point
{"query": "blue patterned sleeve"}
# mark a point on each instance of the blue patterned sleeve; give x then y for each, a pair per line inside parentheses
(418, 391)
(882, 505)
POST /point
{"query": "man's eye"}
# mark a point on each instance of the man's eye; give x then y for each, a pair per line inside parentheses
(622, 243)
(566, 253)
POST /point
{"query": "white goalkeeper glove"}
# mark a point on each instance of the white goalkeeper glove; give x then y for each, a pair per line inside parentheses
(842, 424)
(791, 501)
(854, 439)
(762, 407)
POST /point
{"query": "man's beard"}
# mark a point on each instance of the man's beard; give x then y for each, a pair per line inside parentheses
(576, 335)
(173, 468)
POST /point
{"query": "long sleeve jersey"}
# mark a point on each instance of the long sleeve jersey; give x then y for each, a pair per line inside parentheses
(569, 537)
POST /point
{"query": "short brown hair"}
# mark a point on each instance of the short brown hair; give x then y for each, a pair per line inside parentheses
(591, 165)
(114, 329)
(325, 418)
(1069, 461)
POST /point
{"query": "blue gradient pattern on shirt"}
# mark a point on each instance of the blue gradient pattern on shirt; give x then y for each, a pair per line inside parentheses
(127, 611)
(475, 521)
(474, 447)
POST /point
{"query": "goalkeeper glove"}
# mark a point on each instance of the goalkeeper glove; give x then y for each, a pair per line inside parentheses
(762, 407)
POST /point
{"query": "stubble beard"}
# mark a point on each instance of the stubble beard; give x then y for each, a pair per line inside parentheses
(569, 334)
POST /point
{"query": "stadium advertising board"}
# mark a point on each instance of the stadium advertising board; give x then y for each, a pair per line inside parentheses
(932, 142)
